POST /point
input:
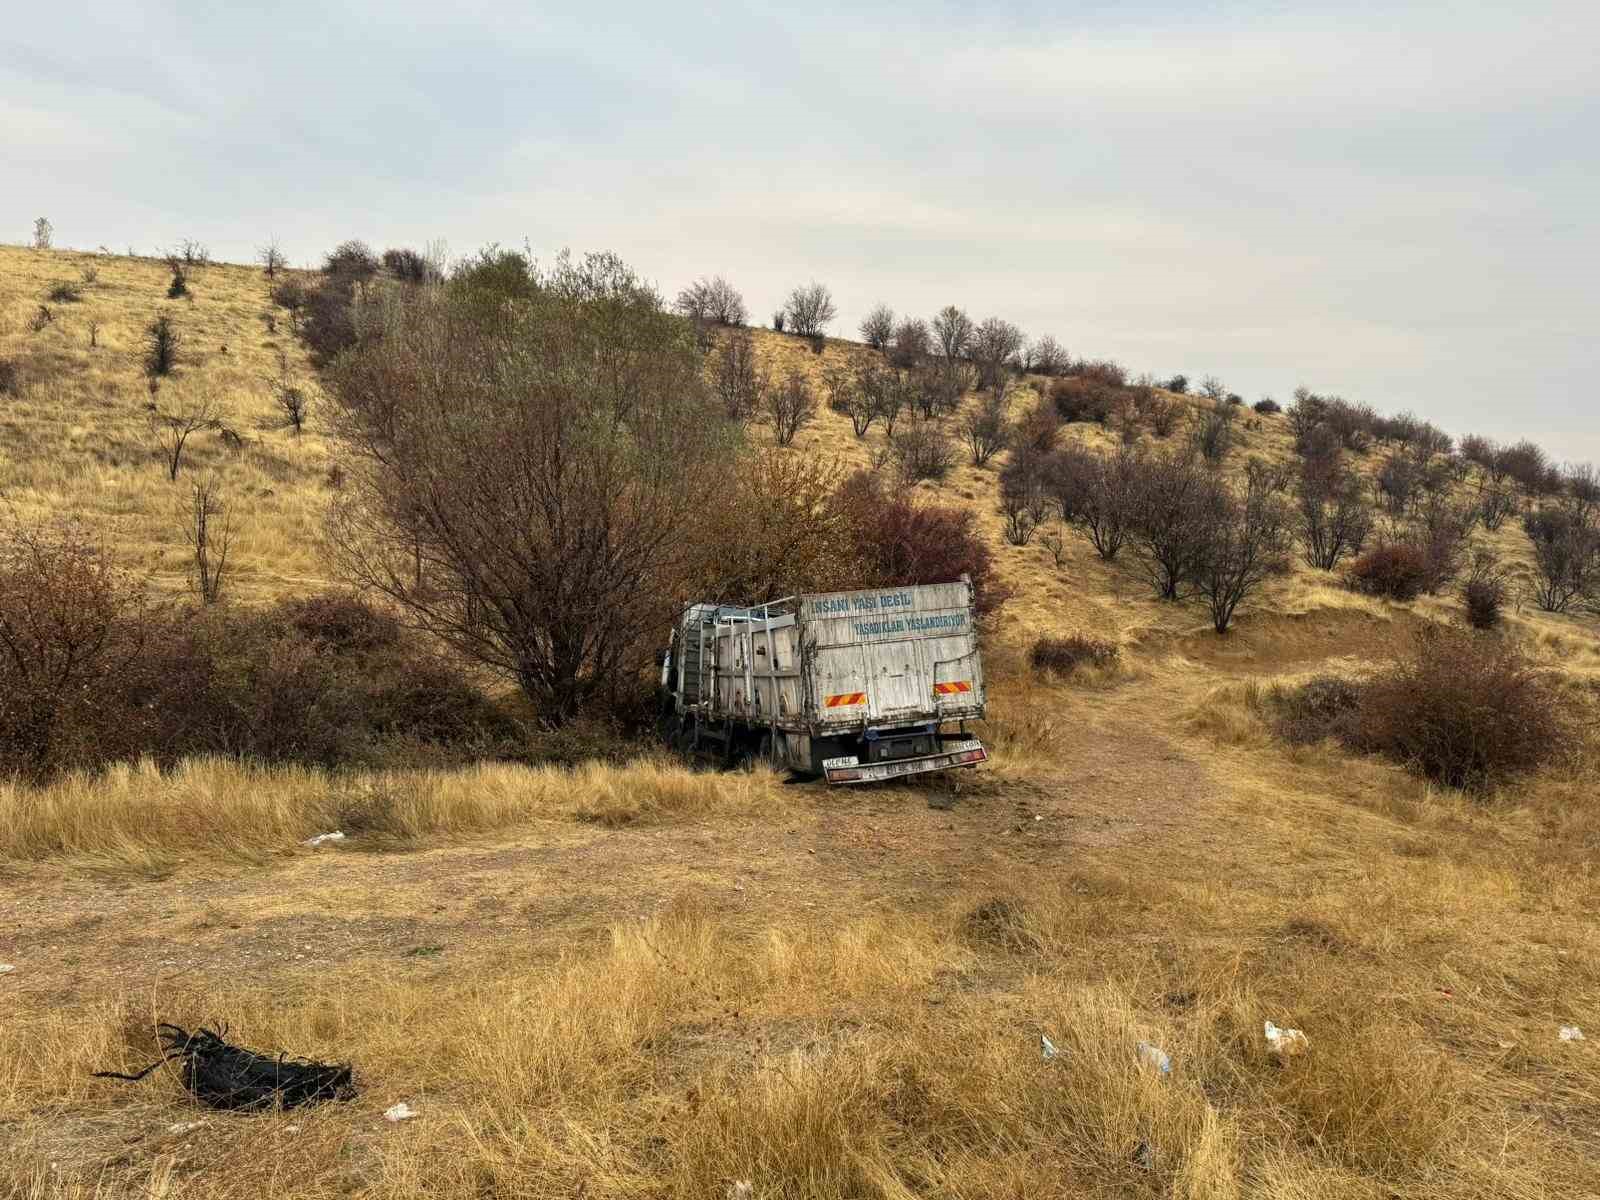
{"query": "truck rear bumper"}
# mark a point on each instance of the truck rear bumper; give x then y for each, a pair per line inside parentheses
(966, 753)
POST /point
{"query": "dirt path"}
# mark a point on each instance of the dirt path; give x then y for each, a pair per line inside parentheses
(559, 884)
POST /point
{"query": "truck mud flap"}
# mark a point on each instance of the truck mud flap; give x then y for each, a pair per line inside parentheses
(953, 754)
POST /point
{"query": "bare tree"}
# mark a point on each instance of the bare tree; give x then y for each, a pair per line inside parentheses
(952, 333)
(1174, 507)
(208, 528)
(289, 396)
(790, 406)
(809, 309)
(1096, 494)
(1243, 541)
(909, 344)
(877, 327)
(714, 301)
(43, 231)
(1047, 357)
(1566, 558)
(271, 258)
(736, 377)
(523, 478)
(1024, 503)
(1334, 519)
(995, 346)
(172, 429)
(986, 427)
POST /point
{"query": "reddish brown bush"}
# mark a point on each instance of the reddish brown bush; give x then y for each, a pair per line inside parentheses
(1464, 710)
(900, 541)
(1064, 655)
(1317, 709)
(71, 637)
(1396, 571)
(1085, 398)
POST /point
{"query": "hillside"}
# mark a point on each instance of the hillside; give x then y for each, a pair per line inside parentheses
(642, 981)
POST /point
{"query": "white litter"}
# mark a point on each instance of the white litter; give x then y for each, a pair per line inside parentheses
(6, 968)
(335, 836)
(741, 1189)
(184, 1126)
(1571, 1033)
(1048, 1047)
(291, 1129)
(1285, 1043)
(400, 1112)
(1154, 1056)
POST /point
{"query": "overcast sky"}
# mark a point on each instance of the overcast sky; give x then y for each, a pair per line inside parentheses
(1394, 202)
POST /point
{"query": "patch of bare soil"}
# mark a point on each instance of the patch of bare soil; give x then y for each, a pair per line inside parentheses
(557, 885)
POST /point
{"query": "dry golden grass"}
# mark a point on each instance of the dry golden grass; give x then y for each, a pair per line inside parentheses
(77, 442)
(859, 1026)
(142, 816)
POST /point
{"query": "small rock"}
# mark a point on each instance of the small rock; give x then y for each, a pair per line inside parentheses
(400, 1112)
(184, 1126)
(1285, 1043)
(335, 836)
(6, 968)
(291, 1129)
(1048, 1047)
(1570, 1033)
(741, 1189)
(1144, 1156)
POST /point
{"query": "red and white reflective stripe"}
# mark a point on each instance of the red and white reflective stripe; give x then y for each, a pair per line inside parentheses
(953, 688)
(845, 700)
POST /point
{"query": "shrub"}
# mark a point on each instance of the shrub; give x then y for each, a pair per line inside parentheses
(1245, 539)
(809, 309)
(64, 291)
(290, 294)
(1100, 370)
(736, 378)
(1176, 502)
(1213, 432)
(1335, 519)
(909, 345)
(921, 451)
(1084, 399)
(712, 302)
(1465, 711)
(408, 266)
(327, 318)
(179, 287)
(1319, 708)
(351, 259)
(986, 427)
(1047, 357)
(1064, 655)
(1483, 593)
(790, 406)
(1267, 406)
(1396, 571)
(1097, 494)
(1178, 384)
(1566, 558)
(1525, 463)
(899, 541)
(877, 327)
(1024, 502)
(69, 641)
(161, 344)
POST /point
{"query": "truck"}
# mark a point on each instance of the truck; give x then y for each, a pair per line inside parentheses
(855, 686)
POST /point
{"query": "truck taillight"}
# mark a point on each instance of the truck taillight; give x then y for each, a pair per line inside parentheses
(971, 756)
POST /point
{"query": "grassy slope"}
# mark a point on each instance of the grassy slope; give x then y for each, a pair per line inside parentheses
(1429, 946)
